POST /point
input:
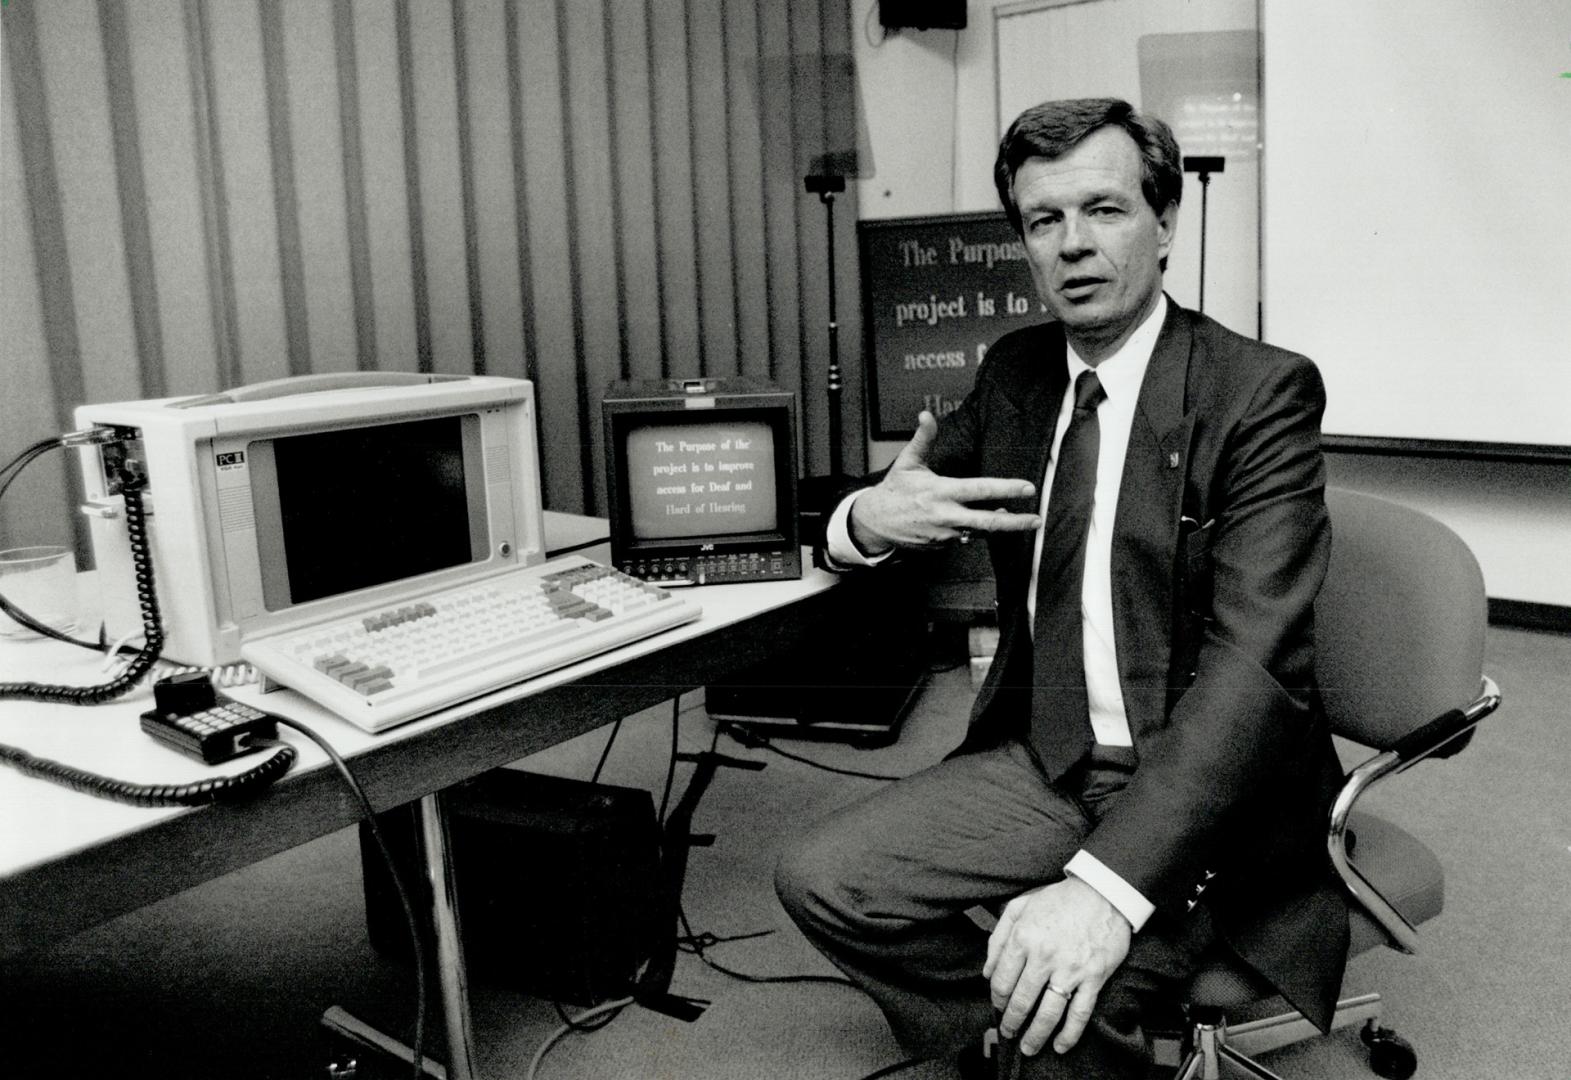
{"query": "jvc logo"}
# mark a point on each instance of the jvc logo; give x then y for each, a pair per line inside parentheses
(706, 547)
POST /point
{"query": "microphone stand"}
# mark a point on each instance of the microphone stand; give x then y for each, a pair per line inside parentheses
(1204, 166)
(826, 187)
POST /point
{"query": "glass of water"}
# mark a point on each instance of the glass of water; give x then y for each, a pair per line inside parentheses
(41, 580)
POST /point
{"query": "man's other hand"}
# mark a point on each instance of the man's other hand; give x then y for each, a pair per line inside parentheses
(914, 507)
(1066, 936)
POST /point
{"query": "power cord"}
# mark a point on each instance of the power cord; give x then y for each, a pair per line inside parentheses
(867, 25)
(580, 1027)
(605, 753)
(890, 1070)
(690, 942)
(127, 665)
(698, 945)
(670, 769)
(142, 562)
(131, 672)
(670, 776)
(758, 742)
(224, 676)
(196, 794)
(368, 815)
(571, 1025)
(604, 1013)
(218, 789)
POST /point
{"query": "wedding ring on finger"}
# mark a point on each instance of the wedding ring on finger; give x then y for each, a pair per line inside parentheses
(964, 535)
(1065, 994)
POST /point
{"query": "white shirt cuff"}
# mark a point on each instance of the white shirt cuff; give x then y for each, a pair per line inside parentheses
(1114, 889)
(842, 550)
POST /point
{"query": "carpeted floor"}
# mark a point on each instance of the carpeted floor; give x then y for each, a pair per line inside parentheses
(228, 980)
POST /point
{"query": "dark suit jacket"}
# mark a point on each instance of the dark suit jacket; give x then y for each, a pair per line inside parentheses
(1220, 544)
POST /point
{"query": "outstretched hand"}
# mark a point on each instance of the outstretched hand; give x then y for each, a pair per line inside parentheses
(914, 507)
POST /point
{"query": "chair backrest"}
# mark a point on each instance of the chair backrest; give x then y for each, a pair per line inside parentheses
(1399, 624)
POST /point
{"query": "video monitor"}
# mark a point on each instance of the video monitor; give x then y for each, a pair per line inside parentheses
(701, 478)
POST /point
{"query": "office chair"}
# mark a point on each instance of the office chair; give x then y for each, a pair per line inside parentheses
(1399, 646)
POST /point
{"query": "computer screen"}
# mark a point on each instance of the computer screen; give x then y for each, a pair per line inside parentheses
(701, 480)
(687, 479)
(410, 494)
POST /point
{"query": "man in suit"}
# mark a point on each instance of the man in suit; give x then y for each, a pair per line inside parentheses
(1146, 774)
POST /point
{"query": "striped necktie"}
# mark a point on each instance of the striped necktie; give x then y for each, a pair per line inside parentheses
(1060, 712)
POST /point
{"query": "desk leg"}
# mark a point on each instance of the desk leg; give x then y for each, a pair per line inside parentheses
(436, 853)
(449, 947)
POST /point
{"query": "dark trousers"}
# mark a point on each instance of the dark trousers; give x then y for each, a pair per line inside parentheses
(882, 886)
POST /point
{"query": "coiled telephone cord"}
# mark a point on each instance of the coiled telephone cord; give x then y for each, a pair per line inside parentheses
(152, 630)
(124, 791)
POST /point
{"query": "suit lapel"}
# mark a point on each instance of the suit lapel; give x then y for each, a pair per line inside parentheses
(1145, 531)
(1035, 401)
(1019, 429)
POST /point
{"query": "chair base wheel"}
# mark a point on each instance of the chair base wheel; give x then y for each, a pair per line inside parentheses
(1390, 1055)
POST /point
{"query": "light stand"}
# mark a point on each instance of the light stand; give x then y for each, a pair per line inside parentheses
(826, 186)
(1204, 166)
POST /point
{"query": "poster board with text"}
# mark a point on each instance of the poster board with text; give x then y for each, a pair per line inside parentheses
(937, 292)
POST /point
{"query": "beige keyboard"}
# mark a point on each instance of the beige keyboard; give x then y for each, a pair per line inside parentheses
(385, 666)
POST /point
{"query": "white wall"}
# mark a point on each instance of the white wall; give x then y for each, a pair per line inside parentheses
(1417, 199)
(931, 106)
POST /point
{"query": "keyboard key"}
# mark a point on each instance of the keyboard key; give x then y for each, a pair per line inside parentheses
(541, 636)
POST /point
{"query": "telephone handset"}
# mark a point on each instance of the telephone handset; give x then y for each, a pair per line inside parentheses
(190, 716)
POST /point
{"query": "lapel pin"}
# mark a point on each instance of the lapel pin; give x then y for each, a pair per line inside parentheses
(1172, 460)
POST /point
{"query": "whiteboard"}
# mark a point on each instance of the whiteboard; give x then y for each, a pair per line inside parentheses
(1417, 213)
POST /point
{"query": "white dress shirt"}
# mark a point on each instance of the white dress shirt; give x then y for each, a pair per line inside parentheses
(1120, 375)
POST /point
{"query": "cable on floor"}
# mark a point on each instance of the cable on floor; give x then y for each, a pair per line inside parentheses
(404, 900)
(575, 1024)
(890, 1070)
(758, 742)
(699, 949)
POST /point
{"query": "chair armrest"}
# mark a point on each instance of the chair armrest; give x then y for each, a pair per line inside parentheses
(1403, 755)
(1445, 729)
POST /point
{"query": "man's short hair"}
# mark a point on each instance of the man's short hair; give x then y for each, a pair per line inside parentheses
(1053, 128)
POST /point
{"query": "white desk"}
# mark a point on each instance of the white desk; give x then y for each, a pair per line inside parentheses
(69, 861)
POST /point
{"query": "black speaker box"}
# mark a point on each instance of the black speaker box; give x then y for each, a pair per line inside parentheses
(558, 883)
(922, 14)
(853, 680)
